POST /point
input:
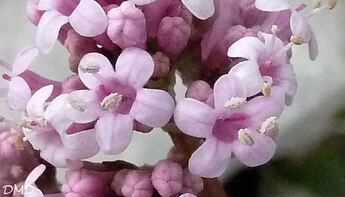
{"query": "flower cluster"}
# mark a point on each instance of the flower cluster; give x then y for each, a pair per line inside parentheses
(233, 56)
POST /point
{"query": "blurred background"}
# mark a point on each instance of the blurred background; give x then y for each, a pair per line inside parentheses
(310, 160)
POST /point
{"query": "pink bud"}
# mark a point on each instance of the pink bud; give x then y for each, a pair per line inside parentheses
(71, 84)
(138, 184)
(82, 183)
(191, 183)
(119, 180)
(167, 178)
(141, 127)
(162, 65)
(127, 26)
(173, 35)
(199, 90)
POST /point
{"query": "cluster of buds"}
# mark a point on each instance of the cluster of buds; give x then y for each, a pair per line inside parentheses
(233, 56)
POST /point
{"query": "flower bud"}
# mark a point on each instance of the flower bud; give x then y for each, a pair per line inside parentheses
(119, 180)
(173, 35)
(127, 26)
(137, 184)
(167, 178)
(82, 183)
(162, 65)
(191, 183)
(199, 90)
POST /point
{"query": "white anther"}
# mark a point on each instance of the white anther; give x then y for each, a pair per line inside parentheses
(90, 67)
(244, 137)
(33, 122)
(267, 89)
(270, 125)
(112, 101)
(274, 29)
(297, 40)
(234, 102)
(316, 4)
(77, 103)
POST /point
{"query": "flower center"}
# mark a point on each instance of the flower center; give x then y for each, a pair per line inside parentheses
(111, 102)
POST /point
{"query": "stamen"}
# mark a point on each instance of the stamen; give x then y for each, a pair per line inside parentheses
(269, 125)
(90, 67)
(316, 4)
(274, 29)
(77, 103)
(267, 86)
(297, 40)
(244, 137)
(6, 77)
(234, 102)
(33, 122)
(112, 101)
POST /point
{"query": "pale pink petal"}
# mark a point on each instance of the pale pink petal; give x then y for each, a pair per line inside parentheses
(92, 80)
(35, 106)
(211, 159)
(82, 144)
(188, 195)
(141, 2)
(287, 80)
(202, 9)
(83, 106)
(300, 26)
(272, 5)
(152, 107)
(48, 30)
(247, 47)
(227, 87)
(195, 118)
(114, 133)
(134, 67)
(47, 4)
(35, 174)
(18, 93)
(89, 19)
(248, 72)
(24, 60)
(257, 154)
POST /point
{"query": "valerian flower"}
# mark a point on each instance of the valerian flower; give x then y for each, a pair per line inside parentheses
(116, 98)
(230, 128)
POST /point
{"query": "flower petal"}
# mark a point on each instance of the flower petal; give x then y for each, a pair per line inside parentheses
(313, 47)
(18, 94)
(35, 174)
(195, 118)
(48, 30)
(286, 78)
(141, 2)
(135, 67)
(114, 133)
(153, 108)
(202, 9)
(247, 47)
(271, 6)
(257, 154)
(24, 60)
(89, 19)
(227, 87)
(248, 72)
(211, 159)
(35, 106)
(92, 80)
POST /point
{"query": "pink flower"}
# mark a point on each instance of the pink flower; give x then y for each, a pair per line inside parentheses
(127, 26)
(61, 143)
(88, 19)
(231, 127)
(83, 183)
(267, 65)
(117, 98)
(173, 35)
(167, 178)
(137, 184)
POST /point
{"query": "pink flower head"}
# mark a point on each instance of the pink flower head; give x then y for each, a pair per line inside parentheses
(231, 127)
(83, 183)
(173, 35)
(117, 98)
(137, 184)
(267, 65)
(167, 178)
(127, 26)
(61, 143)
(88, 19)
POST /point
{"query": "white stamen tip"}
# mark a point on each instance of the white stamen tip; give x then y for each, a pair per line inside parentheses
(77, 103)
(244, 137)
(112, 101)
(274, 29)
(270, 125)
(297, 40)
(316, 4)
(267, 89)
(90, 67)
(234, 102)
